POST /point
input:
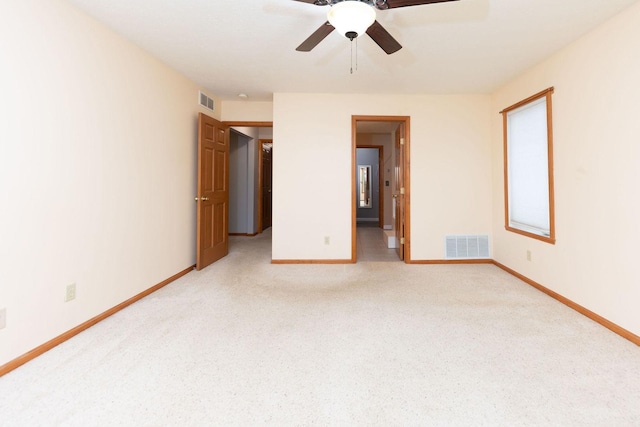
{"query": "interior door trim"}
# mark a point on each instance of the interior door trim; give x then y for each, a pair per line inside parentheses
(249, 124)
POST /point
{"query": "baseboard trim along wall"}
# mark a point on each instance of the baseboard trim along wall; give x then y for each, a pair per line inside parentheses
(243, 234)
(577, 307)
(312, 261)
(15, 363)
(452, 261)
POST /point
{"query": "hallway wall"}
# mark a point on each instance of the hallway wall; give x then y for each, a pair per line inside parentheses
(368, 157)
(243, 177)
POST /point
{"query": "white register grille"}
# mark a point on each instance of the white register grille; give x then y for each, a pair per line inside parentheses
(467, 247)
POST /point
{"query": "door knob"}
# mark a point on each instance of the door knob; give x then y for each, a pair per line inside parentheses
(204, 199)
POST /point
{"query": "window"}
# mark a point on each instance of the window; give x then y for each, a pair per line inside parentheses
(528, 167)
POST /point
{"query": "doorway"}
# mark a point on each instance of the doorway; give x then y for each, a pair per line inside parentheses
(389, 135)
(247, 173)
(265, 186)
(241, 183)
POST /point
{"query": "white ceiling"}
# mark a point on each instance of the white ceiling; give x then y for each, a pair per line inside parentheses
(248, 46)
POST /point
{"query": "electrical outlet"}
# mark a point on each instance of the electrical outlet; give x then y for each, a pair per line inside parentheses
(70, 293)
(528, 255)
(327, 240)
(3, 318)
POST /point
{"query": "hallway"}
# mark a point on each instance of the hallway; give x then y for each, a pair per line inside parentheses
(371, 246)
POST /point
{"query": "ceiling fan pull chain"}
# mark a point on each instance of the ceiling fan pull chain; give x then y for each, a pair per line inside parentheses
(351, 56)
(356, 54)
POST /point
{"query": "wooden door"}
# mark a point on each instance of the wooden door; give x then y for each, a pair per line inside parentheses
(267, 153)
(399, 191)
(213, 191)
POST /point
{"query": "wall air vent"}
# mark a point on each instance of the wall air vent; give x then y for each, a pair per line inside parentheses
(205, 101)
(467, 247)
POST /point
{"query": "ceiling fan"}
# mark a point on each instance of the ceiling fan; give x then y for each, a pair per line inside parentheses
(355, 17)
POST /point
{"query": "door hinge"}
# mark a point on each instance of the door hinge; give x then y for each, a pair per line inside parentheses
(402, 240)
(402, 190)
(401, 141)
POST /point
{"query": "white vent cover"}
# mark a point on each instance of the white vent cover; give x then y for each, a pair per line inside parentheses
(205, 101)
(467, 247)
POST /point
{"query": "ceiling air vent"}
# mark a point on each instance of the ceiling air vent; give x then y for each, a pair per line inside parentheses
(467, 247)
(205, 101)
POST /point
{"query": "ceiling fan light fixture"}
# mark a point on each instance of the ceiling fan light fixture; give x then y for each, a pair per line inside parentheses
(351, 16)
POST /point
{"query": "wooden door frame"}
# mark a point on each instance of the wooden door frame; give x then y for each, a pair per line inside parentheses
(406, 175)
(380, 149)
(260, 183)
(246, 124)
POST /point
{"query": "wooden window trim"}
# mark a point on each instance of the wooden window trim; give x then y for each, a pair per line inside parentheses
(552, 228)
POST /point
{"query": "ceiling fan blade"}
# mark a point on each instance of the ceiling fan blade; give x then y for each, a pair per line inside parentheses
(383, 38)
(315, 38)
(404, 3)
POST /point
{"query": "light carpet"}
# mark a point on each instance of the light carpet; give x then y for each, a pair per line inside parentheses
(244, 342)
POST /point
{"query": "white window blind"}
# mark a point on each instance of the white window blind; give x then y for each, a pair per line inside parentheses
(528, 167)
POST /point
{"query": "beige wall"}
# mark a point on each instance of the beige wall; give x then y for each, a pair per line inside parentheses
(450, 173)
(247, 111)
(97, 170)
(596, 154)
